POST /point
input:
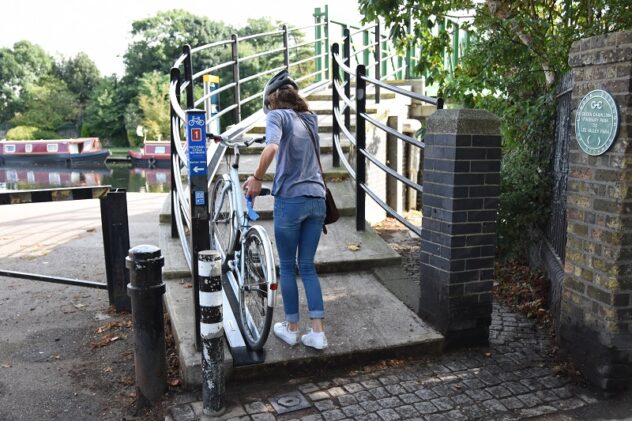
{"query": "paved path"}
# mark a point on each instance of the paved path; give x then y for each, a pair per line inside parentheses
(514, 378)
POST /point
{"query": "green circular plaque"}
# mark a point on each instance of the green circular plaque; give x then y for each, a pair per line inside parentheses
(596, 122)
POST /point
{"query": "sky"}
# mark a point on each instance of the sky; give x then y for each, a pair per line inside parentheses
(102, 28)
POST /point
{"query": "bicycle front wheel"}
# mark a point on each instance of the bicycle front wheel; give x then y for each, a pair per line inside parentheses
(222, 214)
(258, 292)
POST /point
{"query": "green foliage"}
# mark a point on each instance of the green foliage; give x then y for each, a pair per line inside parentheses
(153, 105)
(30, 133)
(157, 41)
(80, 74)
(48, 105)
(517, 52)
(20, 67)
(104, 113)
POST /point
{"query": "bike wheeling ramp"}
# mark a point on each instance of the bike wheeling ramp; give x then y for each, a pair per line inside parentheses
(364, 321)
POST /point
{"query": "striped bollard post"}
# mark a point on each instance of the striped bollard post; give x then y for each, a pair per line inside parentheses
(211, 331)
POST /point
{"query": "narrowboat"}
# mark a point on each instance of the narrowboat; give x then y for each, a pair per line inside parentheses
(54, 152)
(154, 154)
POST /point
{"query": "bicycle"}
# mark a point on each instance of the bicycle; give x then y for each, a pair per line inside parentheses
(246, 250)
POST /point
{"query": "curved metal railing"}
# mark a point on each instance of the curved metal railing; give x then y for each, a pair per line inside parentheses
(308, 60)
(343, 104)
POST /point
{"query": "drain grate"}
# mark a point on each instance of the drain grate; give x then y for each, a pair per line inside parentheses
(289, 402)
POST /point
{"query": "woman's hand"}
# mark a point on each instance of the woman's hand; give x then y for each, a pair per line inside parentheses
(252, 187)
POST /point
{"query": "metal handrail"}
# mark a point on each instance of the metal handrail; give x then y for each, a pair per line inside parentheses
(342, 70)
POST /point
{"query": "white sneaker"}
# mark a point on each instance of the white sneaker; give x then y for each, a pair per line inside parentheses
(316, 340)
(284, 333)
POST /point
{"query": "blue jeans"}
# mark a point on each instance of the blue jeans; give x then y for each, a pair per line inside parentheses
(298, 222)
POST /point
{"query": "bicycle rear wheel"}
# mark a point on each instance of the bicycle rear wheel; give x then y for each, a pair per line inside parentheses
(258, 292)
(222, 214)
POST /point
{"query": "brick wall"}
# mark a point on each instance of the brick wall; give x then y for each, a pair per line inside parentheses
(458, 244)
(596, 310)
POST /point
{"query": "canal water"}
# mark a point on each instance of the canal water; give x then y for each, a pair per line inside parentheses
(117, 175)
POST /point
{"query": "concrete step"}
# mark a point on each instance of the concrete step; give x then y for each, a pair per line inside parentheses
(365, 323)
(343, 192)
(342, 249)
(248, 164)
(327, 95)
(325, 125)
(326, 145)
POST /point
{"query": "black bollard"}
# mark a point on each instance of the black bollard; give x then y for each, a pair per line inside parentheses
(145, 289)
(211, 331)
(115, 241)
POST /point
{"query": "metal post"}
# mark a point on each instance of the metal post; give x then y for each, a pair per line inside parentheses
(378, 59)
(455, 46)
(361, 144)
(286, 48)
(188, 74)
(346, 54)
(365, 43)
(235, 54)
(209, 264)
(326, 41)
(146, 288)
(335, 77)
(409, 55)
(198, 199)
(115, 244)
(175, 77)
(318, 46)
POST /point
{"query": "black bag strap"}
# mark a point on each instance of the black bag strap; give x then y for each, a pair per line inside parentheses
(315, 143)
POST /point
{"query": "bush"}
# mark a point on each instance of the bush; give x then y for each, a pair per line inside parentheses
(22, 133)
(30, 133)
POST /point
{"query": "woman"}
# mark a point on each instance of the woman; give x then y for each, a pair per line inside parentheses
(299, 203)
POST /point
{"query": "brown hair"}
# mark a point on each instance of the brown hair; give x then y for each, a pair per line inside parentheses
(286, 97)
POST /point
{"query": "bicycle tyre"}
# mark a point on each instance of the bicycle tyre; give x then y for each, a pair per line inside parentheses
(258, 292)
(222, 235)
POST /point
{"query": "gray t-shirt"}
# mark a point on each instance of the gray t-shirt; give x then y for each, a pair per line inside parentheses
(297, 169)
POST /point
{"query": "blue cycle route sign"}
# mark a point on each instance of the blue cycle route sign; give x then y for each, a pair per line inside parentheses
(196, 142)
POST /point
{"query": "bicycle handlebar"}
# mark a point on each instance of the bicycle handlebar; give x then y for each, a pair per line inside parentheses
(232, 143)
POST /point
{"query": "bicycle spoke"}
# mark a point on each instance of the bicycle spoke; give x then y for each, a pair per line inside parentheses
(255, 309)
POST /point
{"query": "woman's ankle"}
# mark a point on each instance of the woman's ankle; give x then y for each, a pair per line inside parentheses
(317, 325)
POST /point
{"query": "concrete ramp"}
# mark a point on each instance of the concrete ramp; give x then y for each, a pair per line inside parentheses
(365, 322)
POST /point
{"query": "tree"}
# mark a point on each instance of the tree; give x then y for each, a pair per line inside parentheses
(518, 52)
(157, 41)
(21, 66)
(48, 105)
(104, 114)
(153, 104)
(80, 74)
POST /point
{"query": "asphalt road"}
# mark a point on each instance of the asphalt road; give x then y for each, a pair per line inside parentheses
(63, 353)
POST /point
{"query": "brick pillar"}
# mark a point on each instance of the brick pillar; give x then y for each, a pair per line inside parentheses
(458, 243)
(596, 309)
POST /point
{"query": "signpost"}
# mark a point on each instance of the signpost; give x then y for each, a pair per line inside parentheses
(198, 186)
(596, 122)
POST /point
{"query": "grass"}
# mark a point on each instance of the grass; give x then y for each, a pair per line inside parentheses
(119, 151)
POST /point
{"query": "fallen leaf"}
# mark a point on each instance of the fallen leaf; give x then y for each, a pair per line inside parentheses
(188, 285)
(174, 382)
(91, 230)
(106, 340)
(353, 247)
(107, 370)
